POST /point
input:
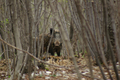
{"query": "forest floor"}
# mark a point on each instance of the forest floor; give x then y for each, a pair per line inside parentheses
(66, 73)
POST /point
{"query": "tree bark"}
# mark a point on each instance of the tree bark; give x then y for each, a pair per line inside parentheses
(16, 32)
(31, 25)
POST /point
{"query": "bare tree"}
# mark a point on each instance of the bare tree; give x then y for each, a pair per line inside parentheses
(87, 27)
(17, 42)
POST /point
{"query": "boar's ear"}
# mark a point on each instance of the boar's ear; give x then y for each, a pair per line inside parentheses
(51, 31)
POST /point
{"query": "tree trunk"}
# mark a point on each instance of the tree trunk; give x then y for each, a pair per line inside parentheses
(31, 24)
(16, 32)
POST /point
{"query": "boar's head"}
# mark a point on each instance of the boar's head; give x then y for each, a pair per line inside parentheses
(56, 37)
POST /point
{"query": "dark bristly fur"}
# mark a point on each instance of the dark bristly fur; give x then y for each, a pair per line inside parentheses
(56, 43)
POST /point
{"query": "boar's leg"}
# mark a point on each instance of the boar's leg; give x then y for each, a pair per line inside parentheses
(58, 53)
(51, 51)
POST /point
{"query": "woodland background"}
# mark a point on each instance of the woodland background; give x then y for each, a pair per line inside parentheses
(89, 28)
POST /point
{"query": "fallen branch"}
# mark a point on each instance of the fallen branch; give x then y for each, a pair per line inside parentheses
(39, 59)
(30, 54)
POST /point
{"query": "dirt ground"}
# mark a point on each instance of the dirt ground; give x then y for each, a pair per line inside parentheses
(65, 73)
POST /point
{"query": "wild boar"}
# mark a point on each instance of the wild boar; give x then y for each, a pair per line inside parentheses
(55, 43)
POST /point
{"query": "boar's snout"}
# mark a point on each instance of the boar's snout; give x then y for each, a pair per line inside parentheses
(57, 43)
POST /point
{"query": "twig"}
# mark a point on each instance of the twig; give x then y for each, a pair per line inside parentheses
(39, 59)
(30, 54)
